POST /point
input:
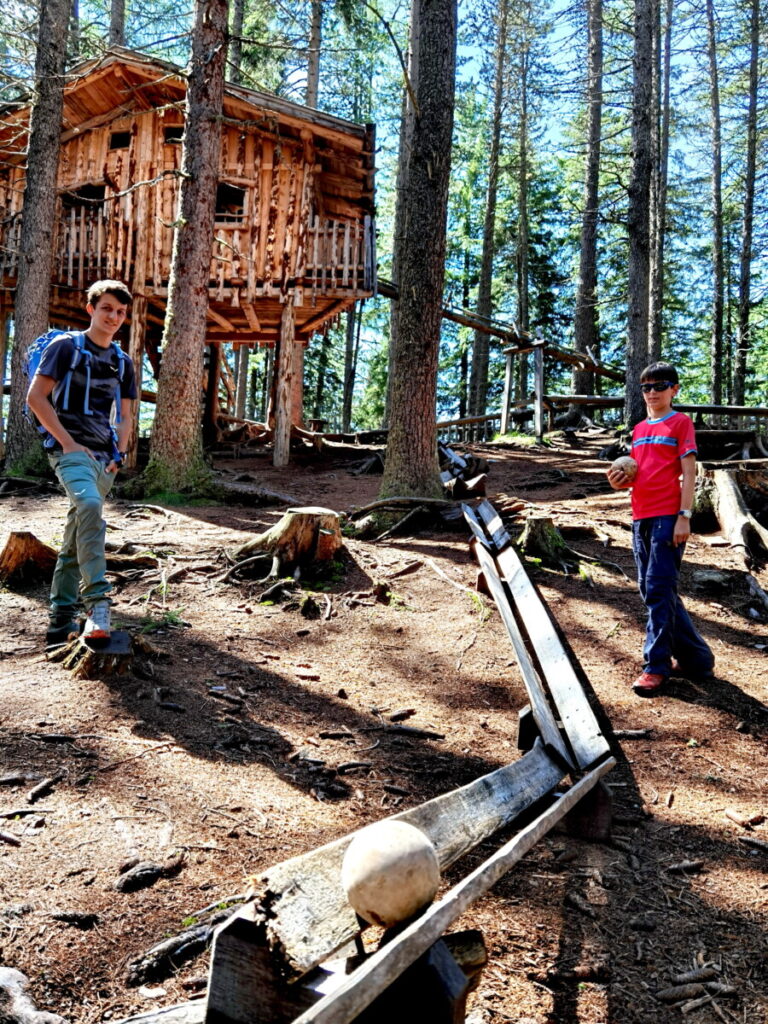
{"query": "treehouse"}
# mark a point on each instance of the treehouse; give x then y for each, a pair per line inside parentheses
(294, 207)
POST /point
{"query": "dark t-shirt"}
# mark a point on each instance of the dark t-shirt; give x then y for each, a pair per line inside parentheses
(93, 430)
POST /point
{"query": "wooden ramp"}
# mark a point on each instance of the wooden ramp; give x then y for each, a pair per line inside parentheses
(292, 955)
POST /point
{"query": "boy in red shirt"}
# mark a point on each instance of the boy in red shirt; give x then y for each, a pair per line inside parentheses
(664, 447)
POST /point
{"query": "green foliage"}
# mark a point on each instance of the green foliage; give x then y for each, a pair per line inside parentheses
(168, 619)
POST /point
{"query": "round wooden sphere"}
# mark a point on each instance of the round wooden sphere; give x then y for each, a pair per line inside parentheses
(625, 464)
(390, 871)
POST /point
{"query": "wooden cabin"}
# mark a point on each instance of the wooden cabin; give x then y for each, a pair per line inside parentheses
(294, 206)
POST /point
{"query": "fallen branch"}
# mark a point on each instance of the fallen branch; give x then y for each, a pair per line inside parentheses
(143, 753)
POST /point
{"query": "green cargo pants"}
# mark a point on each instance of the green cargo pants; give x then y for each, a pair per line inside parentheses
(81, 568)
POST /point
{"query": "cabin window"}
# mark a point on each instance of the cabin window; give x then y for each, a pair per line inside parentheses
(173, 132)
(86, 195)
(230, 204)
(119, 140)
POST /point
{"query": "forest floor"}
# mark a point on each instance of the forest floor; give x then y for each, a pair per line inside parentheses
(222, 754)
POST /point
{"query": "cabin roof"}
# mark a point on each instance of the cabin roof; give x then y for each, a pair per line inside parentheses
(123, 82)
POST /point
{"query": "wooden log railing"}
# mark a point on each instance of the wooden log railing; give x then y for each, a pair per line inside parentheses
(269, 960)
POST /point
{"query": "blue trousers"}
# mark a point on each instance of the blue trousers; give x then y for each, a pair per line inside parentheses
(669, 631)
(81, 568)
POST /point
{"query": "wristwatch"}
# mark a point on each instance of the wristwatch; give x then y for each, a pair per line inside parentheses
(686, 513)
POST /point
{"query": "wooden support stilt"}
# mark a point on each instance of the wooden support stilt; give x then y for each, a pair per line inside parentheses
(136, 352)
(297, 389)
(212, 394)
(241, 379)
(283, 386)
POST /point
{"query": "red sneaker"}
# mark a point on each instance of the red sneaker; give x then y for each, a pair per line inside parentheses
(648, 684)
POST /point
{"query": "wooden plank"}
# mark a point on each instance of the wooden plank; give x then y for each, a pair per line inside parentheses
(564, 685)
(389, 962)
(307, 913)
(491, 520)
(537, 695)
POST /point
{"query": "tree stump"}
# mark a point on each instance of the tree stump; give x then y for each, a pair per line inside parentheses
(541, 539)
(26, 557)
(90, 662)
(302, 536)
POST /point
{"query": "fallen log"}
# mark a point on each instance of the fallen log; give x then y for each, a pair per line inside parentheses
(738, 524)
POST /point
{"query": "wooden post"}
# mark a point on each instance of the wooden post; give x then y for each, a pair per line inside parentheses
(212, 393)
(297, 390)
(505, 399)
(284, 386)
(538, 387)
(136, 352)
(241, 380)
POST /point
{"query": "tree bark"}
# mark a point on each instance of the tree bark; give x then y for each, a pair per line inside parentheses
(638, 212)
(117, 23)
(38, 223)
(744, 339)
(407, 118)
(586, 336)
(522, 198)
(478, 379)
(411, 465)
(716, 352)
(176, 455)
(241, 393)
(313, 58)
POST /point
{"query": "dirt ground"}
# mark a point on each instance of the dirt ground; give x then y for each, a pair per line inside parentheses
(220, 756)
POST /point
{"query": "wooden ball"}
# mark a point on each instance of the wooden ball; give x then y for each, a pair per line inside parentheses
(626, 465)
(390, 871)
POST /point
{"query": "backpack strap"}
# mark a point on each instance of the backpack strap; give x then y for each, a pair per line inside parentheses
(79, 350)
(121, 360)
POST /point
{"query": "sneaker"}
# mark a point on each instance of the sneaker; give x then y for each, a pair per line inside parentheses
(97, 625)
(63, 626)
(648, 684)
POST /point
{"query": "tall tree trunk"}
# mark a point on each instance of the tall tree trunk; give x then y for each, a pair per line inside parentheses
(241, 378)
(478, 380)
(662, 72)
(38, 221)
(73, 37)
(585, 326)
(743, 335)
(716, 351)
(466, 288)
(352, 331)
(322, 368)
(638, 211)
(176, 455)
(411, 463)
(407, 117)
(117, 23)
(313, 58)
(235, 61)
(523, 312)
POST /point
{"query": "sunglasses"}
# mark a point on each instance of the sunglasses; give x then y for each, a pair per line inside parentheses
(656, 385)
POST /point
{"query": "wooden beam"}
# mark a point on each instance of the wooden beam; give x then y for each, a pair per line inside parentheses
(380, 970)
(307, 914)
(221, 321)
(565, 687)
(250, 315)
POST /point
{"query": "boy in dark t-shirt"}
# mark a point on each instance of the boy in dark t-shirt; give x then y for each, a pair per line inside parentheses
(664, 447)
(85, 453)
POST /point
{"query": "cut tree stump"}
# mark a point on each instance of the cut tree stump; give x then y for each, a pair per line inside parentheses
(302, 536)
(90, 662)
(541, 539)
(24, 557)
